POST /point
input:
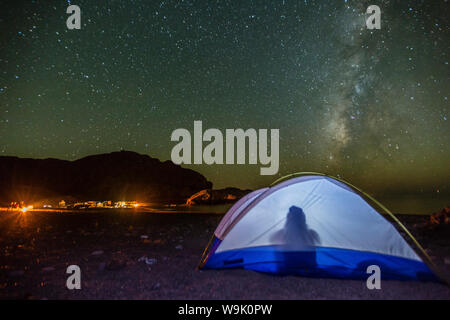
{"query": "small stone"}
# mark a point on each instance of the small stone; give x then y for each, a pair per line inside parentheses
(116, 264)
(447, 260)
(150, 261)
(156, 286)
(97, 253)
(179, 247)
(16, 273)
(144, 236)
(28, 296)
(48, 269)
(102, 266)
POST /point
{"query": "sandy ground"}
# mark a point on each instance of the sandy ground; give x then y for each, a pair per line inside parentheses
(111, 247)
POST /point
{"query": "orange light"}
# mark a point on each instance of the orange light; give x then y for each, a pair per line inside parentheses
(25, 209)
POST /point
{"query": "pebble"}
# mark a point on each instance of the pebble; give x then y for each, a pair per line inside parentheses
(148, 261)
(48, 269)
(97, 253)
(102, 266)
(144, 236)
(116, 264)
(179, 247)
(156, 286)
(447, 260)
(16, 273)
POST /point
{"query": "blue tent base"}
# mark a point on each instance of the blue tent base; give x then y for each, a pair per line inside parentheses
(320, 262)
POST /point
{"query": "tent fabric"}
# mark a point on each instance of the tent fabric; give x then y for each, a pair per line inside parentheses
(235, 210)
(321, 262)
(313, 223)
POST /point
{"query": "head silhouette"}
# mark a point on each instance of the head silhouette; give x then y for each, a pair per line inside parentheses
(296, 218)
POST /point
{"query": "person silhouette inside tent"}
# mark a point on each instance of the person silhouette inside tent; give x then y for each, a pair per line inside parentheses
(298, 242)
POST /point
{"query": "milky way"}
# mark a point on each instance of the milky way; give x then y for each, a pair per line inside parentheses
(370, 106)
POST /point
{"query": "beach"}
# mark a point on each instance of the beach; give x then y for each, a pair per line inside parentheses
(128, 254)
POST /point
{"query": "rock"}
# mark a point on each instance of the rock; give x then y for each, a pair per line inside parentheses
(441, 218)
(447, 260)
(116, 264)
(156, 286)
(102, 266)
(16, 273)
(97, 253)
(144, 236)
(209, 196)
(179, 247)
(148, 261)
(48, 269)
(28, 296)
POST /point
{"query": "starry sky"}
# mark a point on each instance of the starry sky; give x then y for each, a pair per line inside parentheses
(369, 106)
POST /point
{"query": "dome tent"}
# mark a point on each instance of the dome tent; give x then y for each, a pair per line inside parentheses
(312, 225)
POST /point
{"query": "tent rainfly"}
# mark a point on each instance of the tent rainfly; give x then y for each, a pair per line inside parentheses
(313, 225)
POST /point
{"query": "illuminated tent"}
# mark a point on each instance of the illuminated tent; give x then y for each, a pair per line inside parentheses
(312, 225)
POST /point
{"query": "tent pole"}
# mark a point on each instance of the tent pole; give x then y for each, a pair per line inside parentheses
(205, 253)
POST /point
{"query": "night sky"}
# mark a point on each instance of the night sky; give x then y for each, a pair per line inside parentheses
(370, 106)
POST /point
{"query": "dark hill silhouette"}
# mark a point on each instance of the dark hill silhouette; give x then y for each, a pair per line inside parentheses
(120, 175)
